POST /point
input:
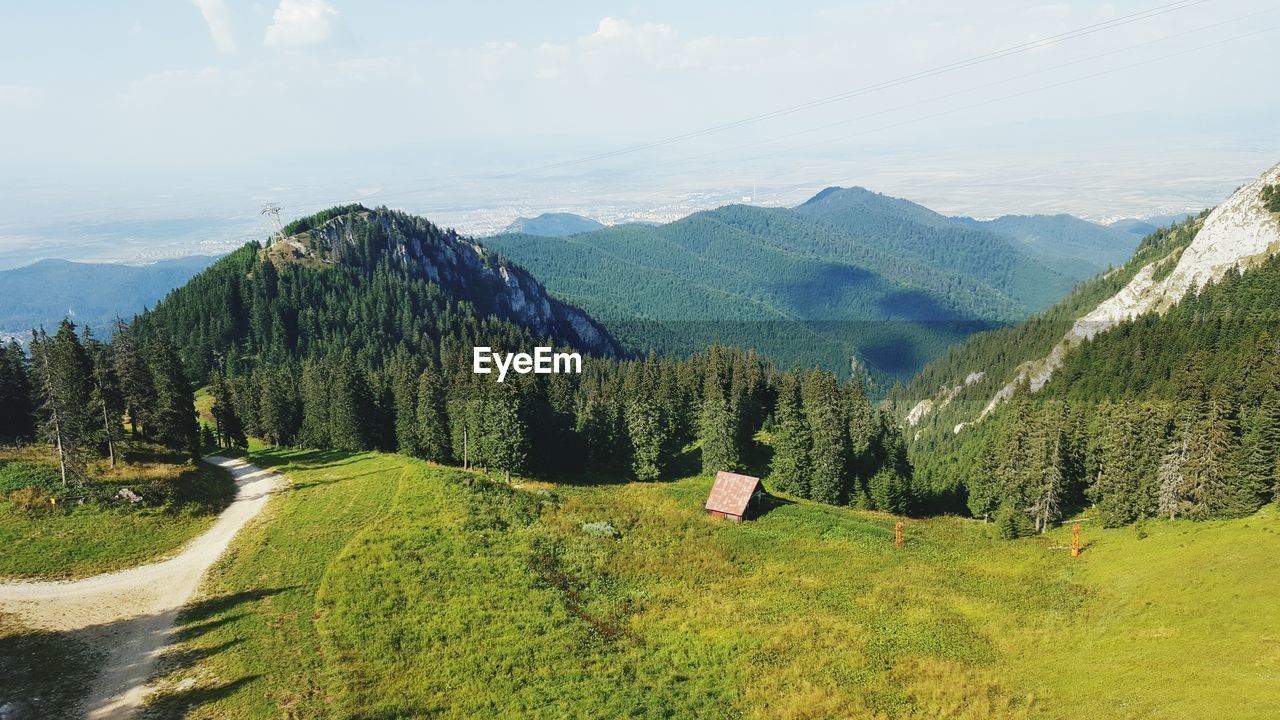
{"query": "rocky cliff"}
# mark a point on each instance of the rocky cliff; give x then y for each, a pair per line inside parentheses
(459, 265)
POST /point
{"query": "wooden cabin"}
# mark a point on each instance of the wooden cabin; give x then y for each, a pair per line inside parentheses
(733, 495)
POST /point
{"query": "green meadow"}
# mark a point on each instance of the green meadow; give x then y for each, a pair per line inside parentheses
(384, 587)
(55, 532)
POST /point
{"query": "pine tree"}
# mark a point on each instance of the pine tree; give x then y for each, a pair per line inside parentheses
(432, 423)
(506, 433)
(718, 430)
(789, 468)
(108, 399)
(16, 392)
(1206, 490)
(134, 376)
(279, 410)
(404, 394)
(64, 381)
(173, 419)
(350, 402)
(864, 429)
(229, 430)
(822, 402)
(644, 427)
(315, 405)
(1172, 477)
(1250, 476)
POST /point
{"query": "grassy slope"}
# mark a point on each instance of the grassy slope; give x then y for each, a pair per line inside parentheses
(384, 587)
(252, 642)
(80, 540)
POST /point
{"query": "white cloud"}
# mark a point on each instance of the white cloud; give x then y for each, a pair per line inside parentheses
(219, 22)
(298, 23)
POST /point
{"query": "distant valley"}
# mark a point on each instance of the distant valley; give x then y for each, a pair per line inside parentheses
(92, 294)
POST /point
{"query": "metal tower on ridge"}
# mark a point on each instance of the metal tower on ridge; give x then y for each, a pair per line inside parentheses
(273, 211)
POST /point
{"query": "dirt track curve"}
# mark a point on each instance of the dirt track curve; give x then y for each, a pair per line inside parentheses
(148, 597)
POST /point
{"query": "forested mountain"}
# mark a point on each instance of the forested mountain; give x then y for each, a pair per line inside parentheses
(912, 233)
(359, 279)
(1151, 390)
(558, 224)
(849, 274)
(355, 331)
(94, 294)
(1078, 248)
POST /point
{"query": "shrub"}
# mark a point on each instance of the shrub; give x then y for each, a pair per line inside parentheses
(31, 500)
(1012, 524)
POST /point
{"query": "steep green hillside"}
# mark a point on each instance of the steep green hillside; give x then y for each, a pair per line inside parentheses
(850, 273)
(1172, 414)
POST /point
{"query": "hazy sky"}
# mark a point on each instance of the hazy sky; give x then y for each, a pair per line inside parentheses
(177, 109)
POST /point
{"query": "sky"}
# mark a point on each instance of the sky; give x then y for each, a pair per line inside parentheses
(133, 130)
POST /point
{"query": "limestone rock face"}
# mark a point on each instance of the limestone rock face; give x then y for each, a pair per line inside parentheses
(1238, 233)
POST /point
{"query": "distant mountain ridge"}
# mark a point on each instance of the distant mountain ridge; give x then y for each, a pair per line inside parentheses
(1077, 247)
(848, 276)
(553, 224)
(92, 294)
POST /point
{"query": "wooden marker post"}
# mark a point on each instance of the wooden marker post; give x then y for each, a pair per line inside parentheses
(1075, 540)
(897, 535)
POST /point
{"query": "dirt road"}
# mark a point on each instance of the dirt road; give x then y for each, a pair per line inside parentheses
(148, 597)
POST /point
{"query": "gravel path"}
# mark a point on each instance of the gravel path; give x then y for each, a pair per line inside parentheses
(148, 597)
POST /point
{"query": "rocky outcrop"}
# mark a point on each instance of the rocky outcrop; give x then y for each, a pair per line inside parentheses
(1237, 234)
(462, 267)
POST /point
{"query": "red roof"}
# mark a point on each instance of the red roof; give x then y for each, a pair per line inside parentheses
(731, 493)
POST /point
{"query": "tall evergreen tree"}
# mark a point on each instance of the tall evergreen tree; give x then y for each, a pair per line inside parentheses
(506, 432)
(108, 398)
(315, 405)
(718, 430)
(16, 409)
(648, 439)
(1206, 487)
(432, 422)
(64, 381)
(792, 444)
(828, 429)
(173, 419)
(229, 429)
(131, 370)
(350, 405)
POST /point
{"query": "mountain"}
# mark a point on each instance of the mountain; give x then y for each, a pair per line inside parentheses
(92, 294)
(559, 224)
(1076, 247)
(1158, 382)
(849, 275)
(1146, 226)
(364, 280)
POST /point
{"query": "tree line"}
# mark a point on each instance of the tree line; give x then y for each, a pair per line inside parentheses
(82, 395)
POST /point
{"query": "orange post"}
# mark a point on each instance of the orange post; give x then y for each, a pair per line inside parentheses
(897, 535)
(1075, 540)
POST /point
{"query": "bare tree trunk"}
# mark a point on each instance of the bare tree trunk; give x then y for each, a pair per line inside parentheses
(106, 426)
(57, 420)
(465, 464)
